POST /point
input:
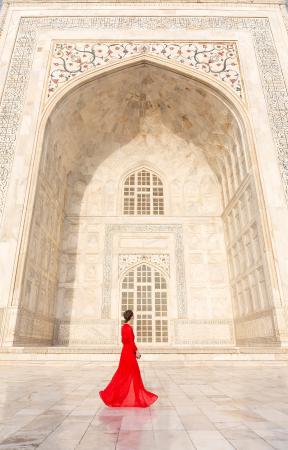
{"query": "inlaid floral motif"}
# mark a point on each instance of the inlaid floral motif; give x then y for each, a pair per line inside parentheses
(126, 261)
(218, 59)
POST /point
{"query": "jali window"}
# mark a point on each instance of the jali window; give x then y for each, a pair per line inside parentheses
(143, 194)
(144, 290)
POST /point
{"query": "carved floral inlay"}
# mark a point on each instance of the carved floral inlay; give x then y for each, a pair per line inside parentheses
(218, 59)
(126, 261)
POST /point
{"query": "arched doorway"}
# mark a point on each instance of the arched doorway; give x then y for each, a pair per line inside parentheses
(144, 290)
(196, 136)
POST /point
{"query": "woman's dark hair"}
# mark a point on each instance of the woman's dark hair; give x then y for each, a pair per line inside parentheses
(127, 315)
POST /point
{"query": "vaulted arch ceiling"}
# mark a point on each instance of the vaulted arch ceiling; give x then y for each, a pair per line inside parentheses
(110, 111)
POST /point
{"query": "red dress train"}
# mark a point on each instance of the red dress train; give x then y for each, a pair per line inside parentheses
(126, 387)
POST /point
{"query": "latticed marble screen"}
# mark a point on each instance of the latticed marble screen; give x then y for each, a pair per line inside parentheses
(144, 290)
(143, 194)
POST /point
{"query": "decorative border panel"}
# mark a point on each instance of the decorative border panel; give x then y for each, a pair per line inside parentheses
(204, 332)
(177, 232)
(21, 61)
(85, 332)
(217, 59)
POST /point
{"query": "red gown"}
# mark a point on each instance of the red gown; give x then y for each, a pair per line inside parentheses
(126, 387)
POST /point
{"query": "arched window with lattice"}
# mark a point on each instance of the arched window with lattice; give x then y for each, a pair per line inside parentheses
(143, 194)
(144, 290)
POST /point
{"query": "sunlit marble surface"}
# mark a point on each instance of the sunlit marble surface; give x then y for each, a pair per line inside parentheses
(217, 406)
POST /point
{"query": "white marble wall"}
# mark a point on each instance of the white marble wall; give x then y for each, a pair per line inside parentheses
(40, 278)
(249, 276)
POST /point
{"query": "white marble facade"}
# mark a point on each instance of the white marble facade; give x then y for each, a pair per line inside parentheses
(207, 126)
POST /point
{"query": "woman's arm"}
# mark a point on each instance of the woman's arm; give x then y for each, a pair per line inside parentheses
(128, 337)
(134, 346)
(135, 349)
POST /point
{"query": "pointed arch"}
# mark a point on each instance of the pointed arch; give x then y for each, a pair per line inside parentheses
(200, 82)
(144, 290)
(142, 193)
(141, 59)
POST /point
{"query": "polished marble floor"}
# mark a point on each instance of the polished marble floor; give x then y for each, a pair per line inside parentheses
(219, 406)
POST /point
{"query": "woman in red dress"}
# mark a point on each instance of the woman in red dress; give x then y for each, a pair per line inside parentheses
(126, 387)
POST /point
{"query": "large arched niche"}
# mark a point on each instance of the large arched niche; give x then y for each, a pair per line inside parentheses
(197, 136)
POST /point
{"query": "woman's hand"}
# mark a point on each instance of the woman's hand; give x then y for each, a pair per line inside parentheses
(138, 355)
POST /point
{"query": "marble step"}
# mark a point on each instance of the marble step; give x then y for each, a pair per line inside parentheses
(111, 354)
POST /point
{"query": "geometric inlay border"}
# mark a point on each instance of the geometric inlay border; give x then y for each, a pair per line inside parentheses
(14, 92)
(216, 58)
